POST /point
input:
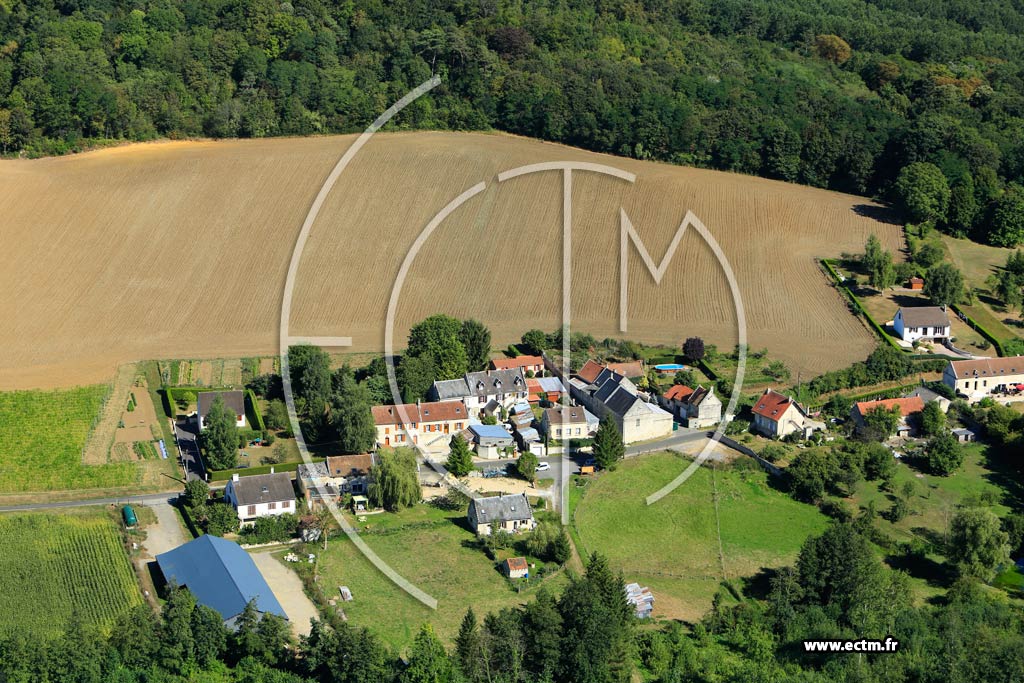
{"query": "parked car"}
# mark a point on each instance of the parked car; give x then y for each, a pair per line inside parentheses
(543, 466)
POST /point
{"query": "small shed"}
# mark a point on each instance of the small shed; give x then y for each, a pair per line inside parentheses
(965, 435)
(916, 283)
(516, 568)
(360, 503)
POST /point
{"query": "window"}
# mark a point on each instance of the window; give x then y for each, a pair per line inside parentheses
(251, 511)
(638, 422)
(271, 506)
(286, 504)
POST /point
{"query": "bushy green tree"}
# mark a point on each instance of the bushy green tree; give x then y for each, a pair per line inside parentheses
(220, 436)
(923, 192)
(944, 454)
(1006, 219)
(933, 420)
(534, 341)
(978, 546)
(395, 479)
(352, 416)
(526, 466)
(476, 340)
(608, 445)
(439, 339)
(197, 492)
(460, 458)
(944, 284)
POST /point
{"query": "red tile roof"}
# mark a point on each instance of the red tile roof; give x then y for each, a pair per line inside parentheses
(771, 404)
(631, 369)
(517, 564)
(437, 411)
(907, 406)
(590, 370)
(678, 392)
(517, 362)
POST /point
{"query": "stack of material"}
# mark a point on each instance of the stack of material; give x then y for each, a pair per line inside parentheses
(641, 598)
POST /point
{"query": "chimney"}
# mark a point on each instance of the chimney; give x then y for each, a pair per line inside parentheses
(234, 477)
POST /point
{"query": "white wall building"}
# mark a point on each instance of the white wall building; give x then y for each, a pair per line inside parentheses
(260, 495)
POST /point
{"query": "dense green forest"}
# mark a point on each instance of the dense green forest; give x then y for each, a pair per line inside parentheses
(837, 589)
(843, 94)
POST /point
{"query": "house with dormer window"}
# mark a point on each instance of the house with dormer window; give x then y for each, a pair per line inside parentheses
(484, 393)
(777, 416)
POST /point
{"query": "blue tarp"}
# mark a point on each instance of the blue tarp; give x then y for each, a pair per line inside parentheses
(220, 574)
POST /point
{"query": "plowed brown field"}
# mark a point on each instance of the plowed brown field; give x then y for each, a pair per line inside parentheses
(180, 249)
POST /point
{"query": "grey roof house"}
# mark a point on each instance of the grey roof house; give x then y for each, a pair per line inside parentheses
(233, 401)
(483, 391)
(260, 495)
(511, 513)
(221, 575)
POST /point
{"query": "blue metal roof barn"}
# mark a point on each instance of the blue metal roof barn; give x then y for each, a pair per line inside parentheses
(221, 575)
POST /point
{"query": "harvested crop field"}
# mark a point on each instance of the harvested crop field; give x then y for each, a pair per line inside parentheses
(147, 251)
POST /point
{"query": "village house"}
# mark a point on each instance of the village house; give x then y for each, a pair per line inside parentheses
(975, 379)
(260, 495)
(565, 422)
(777, 416)
(528, 364)
(696, 408)
(234, 401)
(928, 323)
(483, 393)
(910, 410)
(316, 485)
(405, 424)
(545, 390)
(511, 513)
(592, 369)
(492, 441)
(929, 396)
(611, 393)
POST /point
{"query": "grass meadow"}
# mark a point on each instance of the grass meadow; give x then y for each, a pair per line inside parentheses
(41, 438)
(673, 545)
(56, 567)
(435, 551)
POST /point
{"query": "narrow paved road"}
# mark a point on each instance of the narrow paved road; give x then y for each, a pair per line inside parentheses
(145, 499)
(183, 432)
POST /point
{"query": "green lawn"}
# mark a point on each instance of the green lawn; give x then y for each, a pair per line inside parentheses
(674, 543)
(432, 549)
(41, 438)
(55, 565)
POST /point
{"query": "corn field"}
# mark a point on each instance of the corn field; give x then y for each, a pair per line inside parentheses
(56, 567)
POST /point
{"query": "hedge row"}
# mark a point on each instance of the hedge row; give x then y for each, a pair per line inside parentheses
(252, 412)
(891, 392)
(224, 475)
(977, 327)
(855, 302)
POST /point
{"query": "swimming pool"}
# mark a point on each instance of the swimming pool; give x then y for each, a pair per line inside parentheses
(670, 367)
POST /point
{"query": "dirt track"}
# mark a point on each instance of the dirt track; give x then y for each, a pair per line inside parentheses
(180, 249)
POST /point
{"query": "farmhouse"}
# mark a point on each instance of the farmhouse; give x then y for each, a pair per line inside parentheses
(545, 390)
(260, 495)
(696, 408)
(909, 408)
(564, 422)
(532, 364)
(233, 401)
(777, 416)
(339, 474)
(613, 394)
(922, 322)
(402, 425)
(981, 377)
(929, 396)
(221, 576)
(592, 369)
(515, 568)
(490, 440)
(510, 513)
(483, 392)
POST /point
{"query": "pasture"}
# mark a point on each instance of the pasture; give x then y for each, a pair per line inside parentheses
(137, 208)
(432, 549)
(56, 567)
(42, 434)
(673, 545)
